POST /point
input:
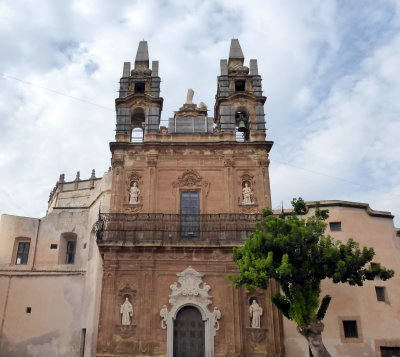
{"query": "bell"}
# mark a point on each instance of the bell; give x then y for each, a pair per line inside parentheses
(242, 126)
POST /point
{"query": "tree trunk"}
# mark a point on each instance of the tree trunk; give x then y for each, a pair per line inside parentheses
(313, 335)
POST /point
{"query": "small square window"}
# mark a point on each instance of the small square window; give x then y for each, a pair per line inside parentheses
(28, 310)
(240, 86)
(335, 226)
(350, 329)
(22, 253)
(380, 293)
(53, 246)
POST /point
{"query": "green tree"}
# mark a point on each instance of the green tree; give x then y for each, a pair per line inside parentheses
(296, 252)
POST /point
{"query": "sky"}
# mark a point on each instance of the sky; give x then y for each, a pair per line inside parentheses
(330, 72)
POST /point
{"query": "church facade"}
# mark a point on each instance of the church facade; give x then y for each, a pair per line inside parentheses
(136, 263)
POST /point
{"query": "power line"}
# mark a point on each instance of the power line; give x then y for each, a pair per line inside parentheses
(166, 120)
(329, 176)
(54, 91)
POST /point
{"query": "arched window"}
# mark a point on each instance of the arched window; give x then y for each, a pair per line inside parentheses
(137, 121)
(242, 124)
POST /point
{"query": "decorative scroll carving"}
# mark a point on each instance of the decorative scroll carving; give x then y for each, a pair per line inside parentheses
(263, 162)
(164, 315)
(256, 335)
(249, 209)
(228, 163)
(152, 163)
(249, 178)
(129, 208)
(190, 281)
(135, 177)
(125, 331)
(117, 162)
(191, 178)
(216, 316)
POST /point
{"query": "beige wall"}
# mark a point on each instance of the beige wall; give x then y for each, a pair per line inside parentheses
(378, 322)
(64, 297)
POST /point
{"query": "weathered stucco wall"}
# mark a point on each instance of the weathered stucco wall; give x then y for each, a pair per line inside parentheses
(377, 321)
(64, 298)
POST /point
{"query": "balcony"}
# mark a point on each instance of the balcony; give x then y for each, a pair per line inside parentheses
(174, 229)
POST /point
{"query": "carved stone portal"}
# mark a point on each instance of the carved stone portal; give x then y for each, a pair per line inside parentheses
(190, 290)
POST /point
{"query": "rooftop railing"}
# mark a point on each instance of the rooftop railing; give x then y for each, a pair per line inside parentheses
(158, 228)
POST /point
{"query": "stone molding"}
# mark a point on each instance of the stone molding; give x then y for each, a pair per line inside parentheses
(191, 179)
(191, 291)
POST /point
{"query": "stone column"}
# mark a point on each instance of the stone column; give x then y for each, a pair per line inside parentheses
(105, 342)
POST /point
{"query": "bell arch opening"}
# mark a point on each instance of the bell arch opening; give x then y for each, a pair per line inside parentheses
(242, 124)
(137, 124)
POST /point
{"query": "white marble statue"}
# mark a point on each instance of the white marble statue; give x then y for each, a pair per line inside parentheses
(134, 194)
(216, 315)
(247, 194)
(203, 106)
(164, 315)
(189, 97)
(256, 312)
(127, 312)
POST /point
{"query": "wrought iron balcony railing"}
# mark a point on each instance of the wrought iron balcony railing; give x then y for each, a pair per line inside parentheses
(158, 228)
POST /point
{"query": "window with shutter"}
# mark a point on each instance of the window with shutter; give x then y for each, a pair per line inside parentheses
(22, 253)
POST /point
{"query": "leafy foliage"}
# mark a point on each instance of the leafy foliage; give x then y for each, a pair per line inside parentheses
(296, 252)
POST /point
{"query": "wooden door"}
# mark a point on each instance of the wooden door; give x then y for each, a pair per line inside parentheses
(189, 333)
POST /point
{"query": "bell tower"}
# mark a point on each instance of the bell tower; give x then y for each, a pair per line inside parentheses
(139, 104)
(239, 105)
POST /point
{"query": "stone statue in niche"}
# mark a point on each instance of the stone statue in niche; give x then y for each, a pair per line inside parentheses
(164, 315)
(216, 315)
(256, 312)
(247, 194)
(126, 312)
(189, 97)
(134, 194)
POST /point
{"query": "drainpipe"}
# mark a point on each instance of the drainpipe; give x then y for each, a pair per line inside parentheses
(4, 313)
(36, 244)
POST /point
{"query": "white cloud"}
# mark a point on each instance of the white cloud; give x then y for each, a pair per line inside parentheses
(332, 103)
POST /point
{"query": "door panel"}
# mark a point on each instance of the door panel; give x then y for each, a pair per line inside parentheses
(189, 333)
